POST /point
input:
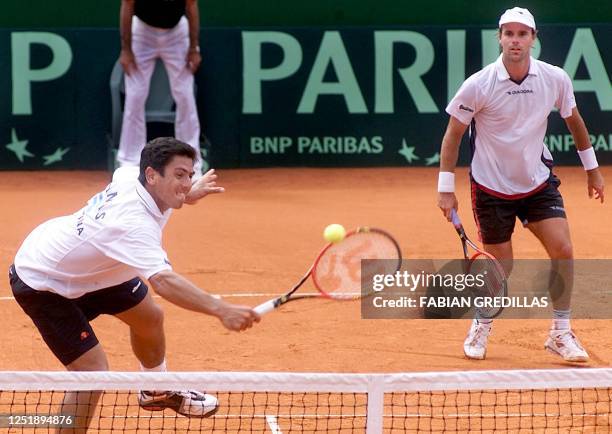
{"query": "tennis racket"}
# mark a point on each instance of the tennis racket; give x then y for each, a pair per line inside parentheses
(483, 263)
(336, 271)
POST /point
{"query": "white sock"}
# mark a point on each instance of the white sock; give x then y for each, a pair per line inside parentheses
(161, 368)
(561, 319)
(561, 324)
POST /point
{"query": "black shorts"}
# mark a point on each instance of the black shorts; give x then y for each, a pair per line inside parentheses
(64, 322)
(495, 216)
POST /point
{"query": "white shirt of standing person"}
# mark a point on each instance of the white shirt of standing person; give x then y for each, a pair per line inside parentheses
(115, 237)
(510, 122)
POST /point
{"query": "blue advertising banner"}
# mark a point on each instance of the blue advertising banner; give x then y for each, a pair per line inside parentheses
(289, 96)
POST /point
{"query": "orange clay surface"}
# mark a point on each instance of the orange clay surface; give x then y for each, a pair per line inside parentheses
(262, 234)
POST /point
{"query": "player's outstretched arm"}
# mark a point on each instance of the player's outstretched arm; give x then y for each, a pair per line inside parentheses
(204, 186)
(577, 127)
(181, 292)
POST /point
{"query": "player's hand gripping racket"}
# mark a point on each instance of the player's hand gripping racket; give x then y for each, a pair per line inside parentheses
(336, 272)
(483, 263)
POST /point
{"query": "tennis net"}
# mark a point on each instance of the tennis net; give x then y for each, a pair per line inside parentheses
(522, 401)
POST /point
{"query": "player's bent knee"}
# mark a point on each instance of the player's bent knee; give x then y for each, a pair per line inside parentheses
(564, 251)
(157, 316)
(150, 322)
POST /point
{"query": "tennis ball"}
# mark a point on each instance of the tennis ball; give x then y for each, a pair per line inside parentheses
(334, 233)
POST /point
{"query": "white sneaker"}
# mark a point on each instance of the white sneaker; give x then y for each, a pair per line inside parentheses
(475, 344)
(188, 403)
(564, 343)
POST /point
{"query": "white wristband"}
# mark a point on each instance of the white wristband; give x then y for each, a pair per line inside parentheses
(588, 158)
(446, 182)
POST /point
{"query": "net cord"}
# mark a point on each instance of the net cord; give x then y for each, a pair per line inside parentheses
(309, 382)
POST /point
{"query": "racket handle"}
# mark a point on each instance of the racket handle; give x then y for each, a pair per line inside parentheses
(455, 218)
(266, 307)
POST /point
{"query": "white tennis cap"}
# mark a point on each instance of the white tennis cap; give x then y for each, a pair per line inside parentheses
(517, 15)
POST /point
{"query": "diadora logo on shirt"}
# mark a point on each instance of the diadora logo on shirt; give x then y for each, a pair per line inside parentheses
(516, 92)
(467, 109)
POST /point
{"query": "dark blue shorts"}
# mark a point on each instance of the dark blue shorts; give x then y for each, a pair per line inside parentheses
(496, 216)
(64, 322)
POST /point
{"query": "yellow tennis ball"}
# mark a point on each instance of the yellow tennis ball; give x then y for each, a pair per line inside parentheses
(334, 233)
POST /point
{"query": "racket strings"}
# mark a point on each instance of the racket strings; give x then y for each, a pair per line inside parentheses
(495, 285)
(491, 270)
(338, 271)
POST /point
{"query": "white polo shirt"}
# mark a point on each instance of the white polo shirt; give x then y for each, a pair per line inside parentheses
(509, 122)
(114, 238)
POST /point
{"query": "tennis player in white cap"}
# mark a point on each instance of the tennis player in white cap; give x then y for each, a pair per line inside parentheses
(506, 105)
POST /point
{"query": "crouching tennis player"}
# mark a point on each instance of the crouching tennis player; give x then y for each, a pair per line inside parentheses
(71, 269)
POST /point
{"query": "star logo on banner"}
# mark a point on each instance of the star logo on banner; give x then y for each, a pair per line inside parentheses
(58, 155)
(434, 159)
(408, 152)
(18, 146)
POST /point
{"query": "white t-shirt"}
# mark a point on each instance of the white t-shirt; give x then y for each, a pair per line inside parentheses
(509, 123)
(114, 238)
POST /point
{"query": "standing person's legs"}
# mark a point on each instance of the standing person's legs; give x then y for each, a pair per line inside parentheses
(495, 219)
(554, 235)
(475, 345)
(544, 216)
(134, 128)
(173, 51)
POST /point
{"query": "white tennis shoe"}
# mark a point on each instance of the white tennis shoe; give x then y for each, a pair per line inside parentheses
(189, 403)
(564, 343)
(475, 344)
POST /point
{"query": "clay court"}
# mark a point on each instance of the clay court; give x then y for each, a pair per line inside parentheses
(261, 235)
